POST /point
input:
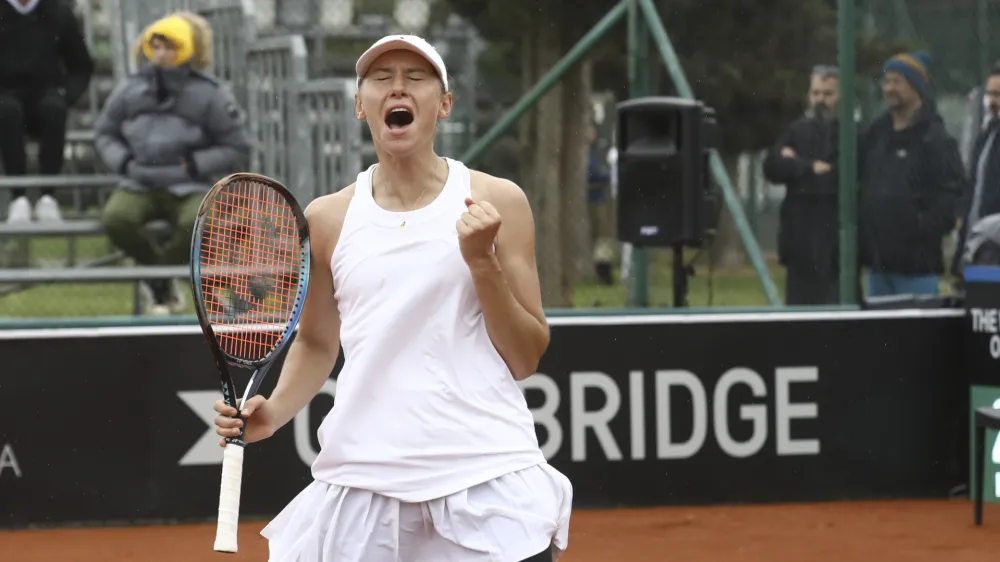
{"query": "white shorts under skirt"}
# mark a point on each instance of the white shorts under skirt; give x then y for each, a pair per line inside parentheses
(507, 519)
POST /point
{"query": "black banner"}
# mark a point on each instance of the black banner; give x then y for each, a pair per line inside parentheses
(634, 410)
(982, 327)
(982, 350)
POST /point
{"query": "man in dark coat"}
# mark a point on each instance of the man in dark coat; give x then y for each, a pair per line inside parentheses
(805, 162)
(981, 197)
(911, 178)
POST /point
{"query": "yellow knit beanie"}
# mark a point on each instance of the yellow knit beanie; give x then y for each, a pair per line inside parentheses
(178, 31)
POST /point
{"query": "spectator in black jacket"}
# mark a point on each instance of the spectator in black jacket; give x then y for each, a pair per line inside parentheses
(44, 69)
(981, 197)
(805, 162)
(911, 178)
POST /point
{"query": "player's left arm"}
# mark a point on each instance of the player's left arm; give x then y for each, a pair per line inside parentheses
(506, 277)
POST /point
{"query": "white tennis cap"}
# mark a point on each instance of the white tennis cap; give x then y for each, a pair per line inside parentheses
(406, 43)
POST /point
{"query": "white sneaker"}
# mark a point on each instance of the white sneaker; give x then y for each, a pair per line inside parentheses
(146, 298)
(175, 301)
(178, 304)
(19, 210)
(47, 209)
(158, 310)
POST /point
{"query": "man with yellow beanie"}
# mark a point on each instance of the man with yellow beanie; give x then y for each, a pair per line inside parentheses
(171, 130)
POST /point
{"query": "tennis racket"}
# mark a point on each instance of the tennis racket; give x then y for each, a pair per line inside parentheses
(249, 272)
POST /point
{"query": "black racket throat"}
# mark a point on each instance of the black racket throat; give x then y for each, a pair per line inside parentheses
(230, 391)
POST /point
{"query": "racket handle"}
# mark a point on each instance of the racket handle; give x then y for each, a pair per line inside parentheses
(229, 498)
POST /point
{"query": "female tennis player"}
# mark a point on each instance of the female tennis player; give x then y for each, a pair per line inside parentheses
(425, 272)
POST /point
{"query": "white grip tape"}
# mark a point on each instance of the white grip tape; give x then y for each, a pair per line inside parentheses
(229, 498)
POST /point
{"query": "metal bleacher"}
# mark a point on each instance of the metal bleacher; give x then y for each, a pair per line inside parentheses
(109, 268)
(303, 132)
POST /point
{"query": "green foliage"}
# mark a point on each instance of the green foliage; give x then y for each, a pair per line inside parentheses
(500, 20)
(749, 59)
(375, 6)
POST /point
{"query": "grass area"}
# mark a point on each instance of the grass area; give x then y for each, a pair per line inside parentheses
(62, 300)
(706, 289)
(722, 289)
(741, 288)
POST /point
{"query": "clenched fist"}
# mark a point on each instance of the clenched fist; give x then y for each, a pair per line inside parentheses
(477, 231)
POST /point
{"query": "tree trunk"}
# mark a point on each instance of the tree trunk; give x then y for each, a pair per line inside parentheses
(541, 148)
(575, 250)
(527, 126)
(727, 253)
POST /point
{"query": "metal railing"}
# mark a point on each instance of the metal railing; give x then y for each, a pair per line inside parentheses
(276, 65)
(303, 133)
(234, 29)
(334, 145)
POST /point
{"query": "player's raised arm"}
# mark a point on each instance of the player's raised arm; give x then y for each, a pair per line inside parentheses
(506, 278)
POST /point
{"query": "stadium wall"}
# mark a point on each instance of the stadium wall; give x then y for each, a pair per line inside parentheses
(105, 425)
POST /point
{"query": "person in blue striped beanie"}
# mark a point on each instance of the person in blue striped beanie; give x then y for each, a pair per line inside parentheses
(915, 69)
(911, 177)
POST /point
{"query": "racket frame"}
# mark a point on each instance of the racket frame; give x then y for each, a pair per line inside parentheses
(223, 360)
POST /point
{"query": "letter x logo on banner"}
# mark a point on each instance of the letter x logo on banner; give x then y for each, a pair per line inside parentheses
(206, 450)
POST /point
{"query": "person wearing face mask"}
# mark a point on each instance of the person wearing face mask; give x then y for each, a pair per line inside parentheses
(171, 130)
(911, 177)
(805, 161)
(981, 196)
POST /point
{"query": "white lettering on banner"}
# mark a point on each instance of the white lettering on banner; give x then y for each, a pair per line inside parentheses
(756, 413)
(665, 446)
(987, 321)
(785, 411)
(637, 414)
(995, 456)
(595, 419)
(545, 416)
(599, 421)
(206, 450)
(9, 460)
(303, 429)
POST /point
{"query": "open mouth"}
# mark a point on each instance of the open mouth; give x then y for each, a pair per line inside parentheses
(398, 118)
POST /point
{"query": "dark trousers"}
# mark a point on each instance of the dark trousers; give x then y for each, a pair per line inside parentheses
(41, 114)
(544, 556)
(805, 286)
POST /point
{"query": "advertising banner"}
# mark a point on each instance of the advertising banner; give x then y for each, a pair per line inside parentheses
(982, 350)
(637, 411)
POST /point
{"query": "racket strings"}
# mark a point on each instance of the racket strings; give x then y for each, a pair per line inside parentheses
(250, 264)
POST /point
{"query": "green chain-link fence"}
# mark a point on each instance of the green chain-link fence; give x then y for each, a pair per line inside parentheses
(957, 33)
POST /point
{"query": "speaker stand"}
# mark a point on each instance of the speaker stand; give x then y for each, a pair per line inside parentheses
(681, 273)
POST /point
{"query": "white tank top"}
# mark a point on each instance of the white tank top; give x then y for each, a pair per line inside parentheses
(425, 405)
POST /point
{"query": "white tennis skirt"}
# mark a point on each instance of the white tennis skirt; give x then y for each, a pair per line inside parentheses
(507, 519)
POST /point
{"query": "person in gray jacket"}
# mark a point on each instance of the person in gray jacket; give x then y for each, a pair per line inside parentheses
(171, 130)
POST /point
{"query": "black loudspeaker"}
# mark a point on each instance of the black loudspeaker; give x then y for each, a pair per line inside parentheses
(665, 195)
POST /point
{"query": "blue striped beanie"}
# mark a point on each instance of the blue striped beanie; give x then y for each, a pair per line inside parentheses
(915, 67)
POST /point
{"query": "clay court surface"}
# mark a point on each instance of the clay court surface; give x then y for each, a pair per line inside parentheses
(858, 532)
